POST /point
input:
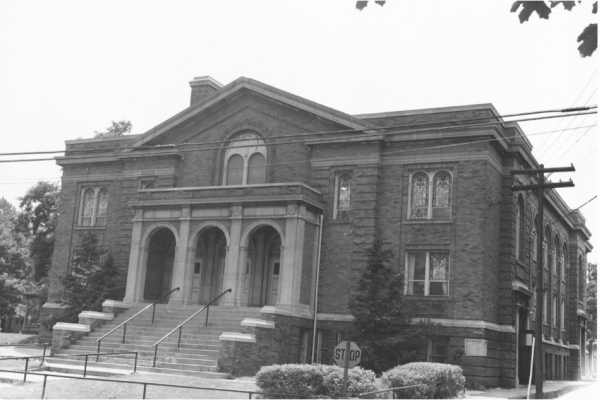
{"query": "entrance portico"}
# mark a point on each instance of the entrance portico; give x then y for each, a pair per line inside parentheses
(254, 246)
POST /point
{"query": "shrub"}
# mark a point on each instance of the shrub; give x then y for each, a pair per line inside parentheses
(315, 381)
(359, 381)
(437, 381)
(301, 381)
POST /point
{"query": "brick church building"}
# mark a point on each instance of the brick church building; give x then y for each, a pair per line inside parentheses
(276, 197)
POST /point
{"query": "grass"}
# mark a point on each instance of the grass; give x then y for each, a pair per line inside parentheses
(17, 338)
(58, 388)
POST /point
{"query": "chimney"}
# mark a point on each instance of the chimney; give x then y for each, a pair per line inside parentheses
(202, 88)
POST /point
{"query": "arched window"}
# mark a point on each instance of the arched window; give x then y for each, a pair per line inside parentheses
(245, 161)
(555, 250)
(564, 261)
(546, 248)
(430, 195)
(519, 242)
(93, 206)
(342, 195)
(554, 311)
(562, 315)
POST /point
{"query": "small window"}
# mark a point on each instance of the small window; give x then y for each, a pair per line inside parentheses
(554, 311)
(148, 185)
(303, 346)
(438, 350)
(93, 206)
(427, 273)
(344, 183)
(520, 228)
(430, 195)
(581, 278)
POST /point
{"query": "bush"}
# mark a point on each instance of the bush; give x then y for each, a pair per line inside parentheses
(301, 381)
(315, 381)
(438, 381)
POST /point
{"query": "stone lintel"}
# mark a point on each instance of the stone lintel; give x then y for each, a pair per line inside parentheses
(237, 337)
(258, 323)
(335, 317)
(64, 326)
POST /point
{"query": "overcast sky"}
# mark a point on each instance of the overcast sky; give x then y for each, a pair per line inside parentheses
(68, 69)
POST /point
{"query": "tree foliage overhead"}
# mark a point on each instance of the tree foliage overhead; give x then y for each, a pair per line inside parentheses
(37, 221)
(588, 37)
(115, 129)
(382, 316)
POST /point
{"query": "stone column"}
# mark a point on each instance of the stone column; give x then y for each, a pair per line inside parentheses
(189, 275)
(291, 261)
(233, 274)
(181, 252)
(135, 265)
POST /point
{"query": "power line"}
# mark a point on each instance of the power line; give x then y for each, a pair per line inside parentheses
(370, 129)
(572, 105)
(580, 137)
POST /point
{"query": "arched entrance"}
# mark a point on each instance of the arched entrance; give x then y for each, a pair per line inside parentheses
(209, 265)
(263, 266)
(159, 267)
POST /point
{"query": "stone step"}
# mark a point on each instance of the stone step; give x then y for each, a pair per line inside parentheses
(166, 326)
(187, 353)
(144, 363)
(150, 336)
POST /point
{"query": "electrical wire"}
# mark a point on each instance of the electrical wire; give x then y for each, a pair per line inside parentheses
(317, 141)
(370, 129)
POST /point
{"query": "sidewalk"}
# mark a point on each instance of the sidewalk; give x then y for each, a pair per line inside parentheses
(552, 389)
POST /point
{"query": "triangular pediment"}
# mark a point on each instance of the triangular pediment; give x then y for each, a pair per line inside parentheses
(238, 88)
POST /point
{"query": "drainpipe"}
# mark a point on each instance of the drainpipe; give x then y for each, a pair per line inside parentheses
(317, 288)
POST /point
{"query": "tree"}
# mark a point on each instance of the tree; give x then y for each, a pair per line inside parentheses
(588, 37)
(37, 221)
(14, 267)
(382, 317)
(116, 129)
(93, 279)
(592, 301)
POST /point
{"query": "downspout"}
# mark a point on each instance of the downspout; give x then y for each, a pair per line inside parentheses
(317, 288)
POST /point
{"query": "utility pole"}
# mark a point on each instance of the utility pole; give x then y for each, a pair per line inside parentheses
(540, 187)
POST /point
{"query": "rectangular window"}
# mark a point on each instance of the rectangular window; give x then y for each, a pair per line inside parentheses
(438, 350)
(343, 191)
(427, 273)
(303, 346)
(430, 195)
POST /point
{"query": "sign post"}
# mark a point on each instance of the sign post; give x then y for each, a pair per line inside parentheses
(347, 355)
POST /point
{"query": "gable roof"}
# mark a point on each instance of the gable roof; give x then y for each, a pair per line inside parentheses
(271, 92)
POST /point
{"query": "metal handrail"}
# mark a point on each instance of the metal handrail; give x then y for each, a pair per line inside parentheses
(180, 326)
(99, 341)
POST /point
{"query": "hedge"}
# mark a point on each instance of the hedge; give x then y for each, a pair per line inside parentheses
(317, 381)
(437, 381)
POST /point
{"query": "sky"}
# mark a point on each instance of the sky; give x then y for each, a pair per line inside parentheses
(68, 69)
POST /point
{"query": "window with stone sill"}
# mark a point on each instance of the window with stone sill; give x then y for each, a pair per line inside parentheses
(93, 206)
(245, 161)
(427, 273)
(438, 350)
(430, 194)
(343, 192)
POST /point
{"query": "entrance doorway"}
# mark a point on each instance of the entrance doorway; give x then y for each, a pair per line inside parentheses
(159, 268)
(209, 266)
(263, 267)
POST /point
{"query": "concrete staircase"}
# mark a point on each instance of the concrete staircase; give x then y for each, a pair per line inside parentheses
(198, 355)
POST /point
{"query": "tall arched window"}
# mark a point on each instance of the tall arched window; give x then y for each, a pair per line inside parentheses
(546, 248)
(555, 250)
(342, 195)
(581, 278)
(564, 261)
(519, 242)
(554, 311)
(245, 161)
(430, 195)
(93, 206)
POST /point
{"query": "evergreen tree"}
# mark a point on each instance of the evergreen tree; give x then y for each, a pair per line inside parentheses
(92, 280)
(382, 319)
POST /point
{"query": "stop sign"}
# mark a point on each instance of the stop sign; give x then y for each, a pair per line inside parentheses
(346, 351)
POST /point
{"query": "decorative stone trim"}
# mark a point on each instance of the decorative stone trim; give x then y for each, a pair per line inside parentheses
(558, 344)
(96, 315)
(258, 323)
(467, 323)
(115, 303)
(64, 326)
(335, 317)
(53, 305)
(298, 313)
(581, 313)
(237, 337)
(521, 287)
